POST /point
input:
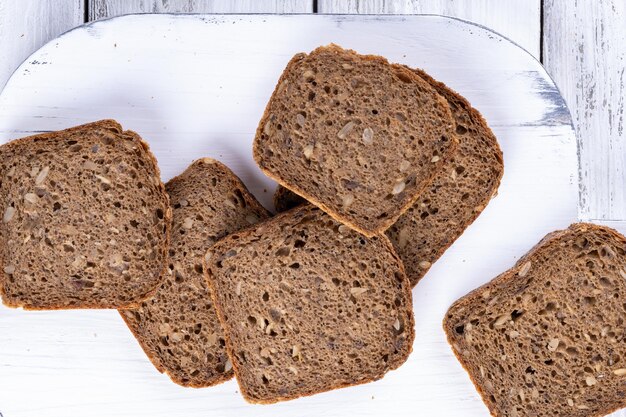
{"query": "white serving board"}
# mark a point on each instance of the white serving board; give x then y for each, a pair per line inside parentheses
(196, 85)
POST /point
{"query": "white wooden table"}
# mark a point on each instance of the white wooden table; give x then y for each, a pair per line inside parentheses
(582, 45)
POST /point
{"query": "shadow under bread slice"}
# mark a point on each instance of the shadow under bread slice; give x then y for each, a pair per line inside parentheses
(178, 327)
(309, 305)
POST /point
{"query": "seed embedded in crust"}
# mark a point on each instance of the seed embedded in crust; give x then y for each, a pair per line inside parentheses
(345, 130)
(500, 321)
(267, 129)
(570, 402)
(435, 159)
(424, 264)
(9, 269)
(343, 229)
(31, 198)
(295, 351)
(103, 179)
(620, 371)
(307, 151)
(347, 200)
(300, 120)
(188, 223)
(228, 365)
(396, 325)
(347, 66)
(404, 165)
(398, 188)
(590, 381)
(238, 288)
(41, 177)
(368, 136)
(308, 75)
(357, 291)
(553, 344)
(293, 370)
(8, 214)
(524, 269)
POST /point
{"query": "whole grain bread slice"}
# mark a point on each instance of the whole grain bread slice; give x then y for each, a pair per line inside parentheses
(355, 135)
(546, 338)
(178, 327)
(309, 305)
(85, 219)
(455, 198)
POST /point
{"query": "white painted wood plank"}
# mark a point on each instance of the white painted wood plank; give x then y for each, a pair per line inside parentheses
(518, 20)
(99, 9)
(158, 75)
(25, 25)
(585, 52)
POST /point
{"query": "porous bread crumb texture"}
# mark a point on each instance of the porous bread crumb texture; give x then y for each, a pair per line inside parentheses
(85, 219)
(547, 337)
(457, 195)
(309, 305)
(178, 328)
(455, 198)
(355, 135)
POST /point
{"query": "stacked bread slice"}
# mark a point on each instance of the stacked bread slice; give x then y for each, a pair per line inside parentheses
(388, 166)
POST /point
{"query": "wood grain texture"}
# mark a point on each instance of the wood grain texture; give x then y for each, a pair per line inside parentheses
(518, 20)
(25, 25)
(99, 9)
(585, 52)
(203, 99)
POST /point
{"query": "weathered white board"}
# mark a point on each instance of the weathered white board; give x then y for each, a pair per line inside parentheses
(25, 25)
(196, 86)
(585, 52)
(518, 20)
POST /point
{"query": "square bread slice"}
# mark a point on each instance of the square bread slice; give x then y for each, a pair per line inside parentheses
(85, 219)
(309, 305)
(178, 327)
(455, 198)
(547, 337)
(355, 135)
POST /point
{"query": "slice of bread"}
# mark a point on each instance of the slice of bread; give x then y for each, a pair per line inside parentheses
(178, 327)
(85, 219)
(546, 338)
(458, 193)
(455, 198)
(355, 135)
(309, 305)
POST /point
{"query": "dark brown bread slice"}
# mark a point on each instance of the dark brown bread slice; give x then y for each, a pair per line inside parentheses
(178, 327)
(355, 135)
(308, 305)
(457, 195)
(86, 219)
(455, 198)
(546, 338)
